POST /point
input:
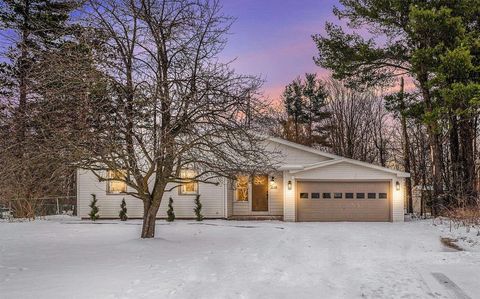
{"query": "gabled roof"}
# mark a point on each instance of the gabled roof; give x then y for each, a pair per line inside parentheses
(334, 159)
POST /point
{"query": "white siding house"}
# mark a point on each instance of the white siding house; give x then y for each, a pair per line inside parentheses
(309, 185)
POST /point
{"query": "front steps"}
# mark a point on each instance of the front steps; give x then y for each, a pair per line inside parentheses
(255, 218)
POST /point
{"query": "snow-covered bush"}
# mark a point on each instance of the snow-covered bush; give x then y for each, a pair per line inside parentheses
(170, 213)
(198, 208)
(94, 215)
(123, 211)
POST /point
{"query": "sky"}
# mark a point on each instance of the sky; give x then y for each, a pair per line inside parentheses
(272, 39)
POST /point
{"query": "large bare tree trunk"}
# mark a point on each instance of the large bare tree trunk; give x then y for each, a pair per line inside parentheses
(150, 210)
(435, 151)
(22, 79)
(467, 160)
(406, 150)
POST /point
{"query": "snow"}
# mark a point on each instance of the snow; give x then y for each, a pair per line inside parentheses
(467, 239)
(69, 258)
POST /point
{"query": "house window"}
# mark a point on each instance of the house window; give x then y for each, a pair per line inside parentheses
(337, 195)
(326, 195)
(348, 195)
(372, 195)
(315, 195)
(189, 186)
(116, 183)
(241, 185)
(382, 195)
(304, 195)
(360, 195)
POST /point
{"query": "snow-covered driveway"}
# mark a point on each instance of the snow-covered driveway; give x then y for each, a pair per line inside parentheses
(230, 259)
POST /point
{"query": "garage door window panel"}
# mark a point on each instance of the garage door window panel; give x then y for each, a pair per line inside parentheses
(372, 195)
(349, 195)
(304, 195)
(382, 195)
(360, 195)
(315, 195)
(326, 195)
(337, 195)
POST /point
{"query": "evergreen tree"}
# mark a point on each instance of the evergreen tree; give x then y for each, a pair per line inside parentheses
(315, 97)
(36, 27)
(198, 208)
(170, 213)
(94, 215)
(427, 40)
(305, 102)
(292, 100)
(123, 211)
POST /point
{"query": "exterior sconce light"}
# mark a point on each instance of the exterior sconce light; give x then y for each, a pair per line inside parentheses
(397, 186)
(289, 185)
(273, 185)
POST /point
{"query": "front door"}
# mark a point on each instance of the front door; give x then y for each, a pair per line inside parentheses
(260, 193)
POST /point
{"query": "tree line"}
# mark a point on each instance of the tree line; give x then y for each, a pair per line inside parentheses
(138, 86)
(431, 128)
(132, 90)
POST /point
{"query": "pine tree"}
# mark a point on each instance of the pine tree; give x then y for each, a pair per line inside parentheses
(123, 211)
(94, 209)
(36, 27)
(170, 213)
(198, 208)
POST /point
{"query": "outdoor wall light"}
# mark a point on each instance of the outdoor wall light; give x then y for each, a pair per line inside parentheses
(289, 185)
(397, 186)
(273, 185)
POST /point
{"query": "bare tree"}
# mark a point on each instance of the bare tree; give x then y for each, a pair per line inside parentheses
(169, 112)
(359, 124)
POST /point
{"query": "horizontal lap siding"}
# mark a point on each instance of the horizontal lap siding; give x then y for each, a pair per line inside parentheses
(211, 197)
(275, 201)
(290, 155)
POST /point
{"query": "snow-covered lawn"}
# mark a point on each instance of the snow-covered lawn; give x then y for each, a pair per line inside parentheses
(232, 259)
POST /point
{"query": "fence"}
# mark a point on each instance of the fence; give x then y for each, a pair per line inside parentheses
(59, 205)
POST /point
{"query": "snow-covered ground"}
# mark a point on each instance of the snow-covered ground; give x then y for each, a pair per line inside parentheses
(65, 258)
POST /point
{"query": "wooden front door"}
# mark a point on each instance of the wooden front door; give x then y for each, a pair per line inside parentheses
(260, 193)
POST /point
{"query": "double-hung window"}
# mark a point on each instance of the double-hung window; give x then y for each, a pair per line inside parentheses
(116, 182)
(189, 185)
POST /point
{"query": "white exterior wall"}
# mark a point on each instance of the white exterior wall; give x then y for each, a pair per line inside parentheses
(289, 203)
(211, 196)
(345, 171)
(292, 155)
(275, 200)
(398, 200)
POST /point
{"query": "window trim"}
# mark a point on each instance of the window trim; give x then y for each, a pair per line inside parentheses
(356, 195)
(183, 184)
(109, 181)
(235, 194)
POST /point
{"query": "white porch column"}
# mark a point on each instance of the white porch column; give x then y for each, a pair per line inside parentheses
(289, 204)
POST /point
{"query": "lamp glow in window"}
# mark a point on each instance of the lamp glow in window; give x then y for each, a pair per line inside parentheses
(116, 184)
(242, 188)
(190, 186)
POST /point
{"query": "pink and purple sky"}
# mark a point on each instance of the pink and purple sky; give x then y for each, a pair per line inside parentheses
(272, 38)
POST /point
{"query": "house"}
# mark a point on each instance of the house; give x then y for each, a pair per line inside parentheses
(309, 185)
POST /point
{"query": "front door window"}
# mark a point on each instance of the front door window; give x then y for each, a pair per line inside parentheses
(260, 193)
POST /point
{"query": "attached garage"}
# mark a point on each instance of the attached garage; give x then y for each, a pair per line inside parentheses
(343, 201)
